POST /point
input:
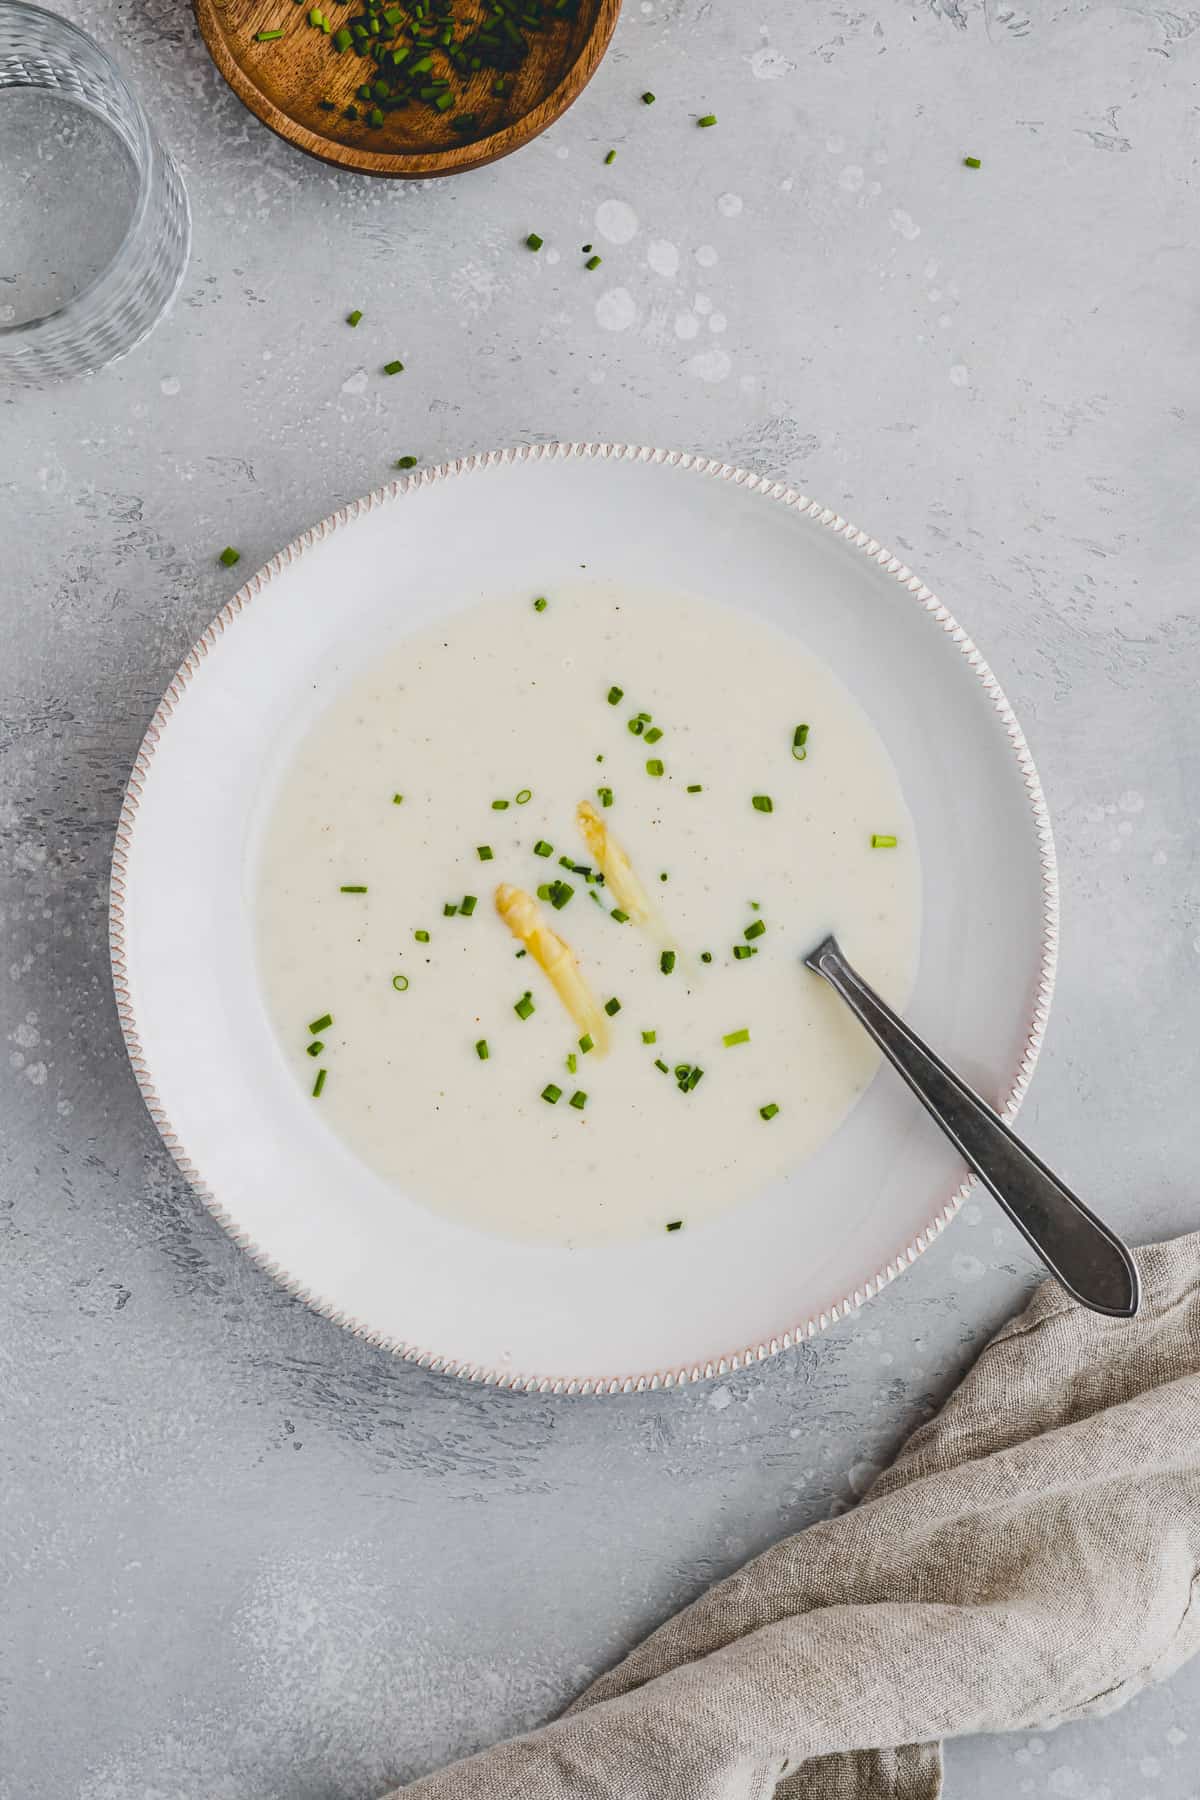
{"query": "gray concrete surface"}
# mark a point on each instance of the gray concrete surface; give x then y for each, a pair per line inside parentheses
(246, 1557)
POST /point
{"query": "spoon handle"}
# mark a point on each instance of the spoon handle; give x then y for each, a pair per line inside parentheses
(1089, 1260)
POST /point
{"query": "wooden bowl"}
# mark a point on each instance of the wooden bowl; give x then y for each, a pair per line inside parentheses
(283, 80)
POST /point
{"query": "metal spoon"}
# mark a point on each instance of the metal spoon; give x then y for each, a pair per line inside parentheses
(1084, 1256)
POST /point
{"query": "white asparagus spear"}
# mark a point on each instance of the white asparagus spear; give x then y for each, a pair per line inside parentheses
(522, 915)
(614, 865)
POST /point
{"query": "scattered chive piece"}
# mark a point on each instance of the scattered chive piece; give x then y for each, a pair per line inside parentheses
(706, 119)
(578, 1100)
(586, 1044)
(666, 961)
(533, 241)
(695, 788)
(706, 956)
(660, 1064)
(499, 805)
(692, 1080)
(467, 905)
(742, 951)
(524, 1006)
(637, 726)
(352, 890)
(541, 603)
(882, 840)
(649, 1037)
(675, 1225)
(611, 157)
(763, 803)
(664, 876)
(319, 1083)
(593, 262)
(768, 1112)
(229, 556)
(653, 735)
(354, 317)
(622, 918)
(542, 848)
(799, 740)
(266, 37)
(572, 1062)
(449, 910)
(342, 40)
(481, 1050)
(604, 795)
(320, 1025)
(972, 162)
(524, 797)
(422, 937)
(551, 1093)
(406, 462)
(736, 1037)
(654, 766)
(397, 799)
(521, 953)
(754, 930)
(560, 893)
(400, 983)
(615, 696)
(648, 98)
(395, 367)
(484, 852)
(316, 1049)
(612, 1008)
(754, 906)
(585, 249)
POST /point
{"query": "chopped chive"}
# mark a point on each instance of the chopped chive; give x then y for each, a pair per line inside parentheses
(319, 1083)
(541, 603)
(695, 788)
(612, 1008)
(397, 799)
(551, 1093)
(736, 1037)
(694, 1079)
(560, 893)
(400, 983)
(316, 1049)
(481, 1050)
(615, 696)
(593, 262)
(422, 937)
(521, 953)
(543, 891)
(637, 726)
(653, 735)
(229, 556)
(352, 890)
(754, 906)
(799, 740)
(649, 1037)
(972, 162)
(622, 918)
(742, 951)
(675, 1225)
(605, 796)
(395, 367)
(342, 40)
(706, 956)
(484, 852)
(611, 157)
(354, 317)
(267, 37)
(763, 803)
(754, 930)
(524, 797)
(524, 1005)
(648, 98)
(375, 117)
(499, 805)
(654, 766)
(768, 1112)
(578, 1100)
(586, 1044)
(881, 840)
(449, 910)
(706, 119)
(542, 848)
(664, 876)
(467, 905)
(585, 249)
(406, 462)
(660, 1064)
(572, 1062)
(666, 961)
(320, 1025)
(533, 241)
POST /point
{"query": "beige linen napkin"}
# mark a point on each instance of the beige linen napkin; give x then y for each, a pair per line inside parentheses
(1031, 1556)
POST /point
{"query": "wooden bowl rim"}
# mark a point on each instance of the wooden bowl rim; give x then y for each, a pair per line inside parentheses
(456, 158)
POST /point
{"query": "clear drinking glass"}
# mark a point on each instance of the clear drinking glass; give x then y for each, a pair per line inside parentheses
(94, 221)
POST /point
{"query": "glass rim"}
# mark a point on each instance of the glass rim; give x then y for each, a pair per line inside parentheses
(143, 158)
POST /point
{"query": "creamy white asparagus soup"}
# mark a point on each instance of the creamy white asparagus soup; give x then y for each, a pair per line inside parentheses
(532, 898)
